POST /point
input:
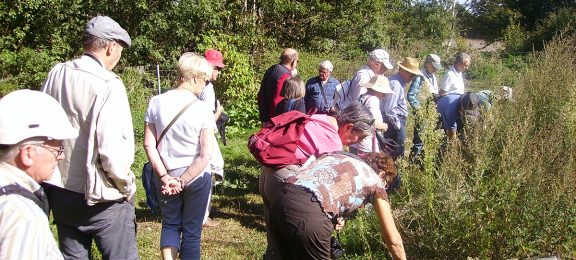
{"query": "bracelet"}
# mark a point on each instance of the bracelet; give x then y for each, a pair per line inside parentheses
(162, 176)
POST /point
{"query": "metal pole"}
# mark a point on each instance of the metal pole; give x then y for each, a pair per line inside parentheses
(158, 76)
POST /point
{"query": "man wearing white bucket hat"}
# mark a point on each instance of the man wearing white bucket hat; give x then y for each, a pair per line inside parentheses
(30, 147)
(93, 201)
(376, 89)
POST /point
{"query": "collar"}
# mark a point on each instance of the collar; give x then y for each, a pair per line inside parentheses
(9, 174)
(90, 55)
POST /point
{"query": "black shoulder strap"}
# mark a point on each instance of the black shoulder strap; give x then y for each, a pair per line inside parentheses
(323, 94)
(37, 197)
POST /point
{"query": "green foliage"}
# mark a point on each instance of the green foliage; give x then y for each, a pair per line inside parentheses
(508, 192)
(24, 68)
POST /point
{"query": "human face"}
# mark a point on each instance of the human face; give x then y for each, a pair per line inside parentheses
(430, 68)
(463, 66)
(114, 52)
(41, 159)
(324, 74)
(215, 73)
(350, 135)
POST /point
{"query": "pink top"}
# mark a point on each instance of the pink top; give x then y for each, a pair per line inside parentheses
(320, 136)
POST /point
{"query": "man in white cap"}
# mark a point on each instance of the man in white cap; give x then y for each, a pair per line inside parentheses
(394, 107)
(423, 91)
(320, 90)
(30, 147)
(378, 64)
(93, 199)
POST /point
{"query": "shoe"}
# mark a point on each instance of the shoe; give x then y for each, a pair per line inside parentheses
(210, 223)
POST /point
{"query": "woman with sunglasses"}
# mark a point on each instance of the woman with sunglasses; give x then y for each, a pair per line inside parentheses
(181, 157)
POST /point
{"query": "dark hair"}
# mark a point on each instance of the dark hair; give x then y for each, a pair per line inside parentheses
(382, 162)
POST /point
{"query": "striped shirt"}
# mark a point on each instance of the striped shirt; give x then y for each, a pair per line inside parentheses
(24, 229)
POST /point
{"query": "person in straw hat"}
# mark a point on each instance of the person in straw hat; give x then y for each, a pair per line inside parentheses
(423, 92)
(394, 107)
(376, 89)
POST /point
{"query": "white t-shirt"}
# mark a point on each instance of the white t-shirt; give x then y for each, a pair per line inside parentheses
(369, 143)
(182, 141)
(453, 82)
(209, 96)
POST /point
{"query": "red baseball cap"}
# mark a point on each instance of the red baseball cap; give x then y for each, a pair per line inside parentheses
(215, 57)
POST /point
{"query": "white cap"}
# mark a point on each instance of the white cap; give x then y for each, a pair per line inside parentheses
(28, 113)
(381, 56)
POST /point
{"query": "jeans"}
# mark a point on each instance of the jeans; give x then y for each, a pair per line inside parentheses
(398, 135)
(417, 144)
(183, 213)
(112, 225)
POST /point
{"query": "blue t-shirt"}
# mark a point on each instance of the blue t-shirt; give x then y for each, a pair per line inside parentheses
(448, 107)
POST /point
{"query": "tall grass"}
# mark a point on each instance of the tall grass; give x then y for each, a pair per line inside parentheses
(509, 192)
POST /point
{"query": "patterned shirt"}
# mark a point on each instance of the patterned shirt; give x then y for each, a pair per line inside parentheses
(24, 227)
(341, 183)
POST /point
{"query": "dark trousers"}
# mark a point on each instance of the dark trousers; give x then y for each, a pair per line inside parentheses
(112, 225)
(398, 135)
(299, 224)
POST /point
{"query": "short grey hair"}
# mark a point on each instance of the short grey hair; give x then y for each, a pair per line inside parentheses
(9, 151)
(461, 57)
(326, 65)
(358, 115)
(93, 43)
(191, 65)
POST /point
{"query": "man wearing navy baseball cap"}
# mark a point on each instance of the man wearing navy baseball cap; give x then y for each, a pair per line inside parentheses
(92, 199)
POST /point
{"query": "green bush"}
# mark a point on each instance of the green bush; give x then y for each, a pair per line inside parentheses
(509, 192)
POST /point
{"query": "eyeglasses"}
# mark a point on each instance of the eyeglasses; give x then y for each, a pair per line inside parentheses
(56, 151)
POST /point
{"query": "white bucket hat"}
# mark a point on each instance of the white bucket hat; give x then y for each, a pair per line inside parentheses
(380, 84)
(28, 113)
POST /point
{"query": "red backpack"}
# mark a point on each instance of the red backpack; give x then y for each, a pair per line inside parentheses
(276, 143)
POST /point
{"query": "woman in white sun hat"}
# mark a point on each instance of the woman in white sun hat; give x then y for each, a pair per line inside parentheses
(377, 88)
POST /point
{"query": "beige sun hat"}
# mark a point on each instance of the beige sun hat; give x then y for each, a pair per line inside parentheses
(411, 65)
(380, 84)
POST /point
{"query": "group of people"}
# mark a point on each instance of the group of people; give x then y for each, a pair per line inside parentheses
(75, 153)
(304, 204)
(69, 147)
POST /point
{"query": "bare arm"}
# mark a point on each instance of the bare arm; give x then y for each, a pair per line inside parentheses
(153, 154)
(201, 160)
(388, 228)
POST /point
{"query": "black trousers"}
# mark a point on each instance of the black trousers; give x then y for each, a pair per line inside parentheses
(299, 224)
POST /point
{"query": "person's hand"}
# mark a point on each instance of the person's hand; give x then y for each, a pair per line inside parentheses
(219, 107)
(338, 226)
(171, 186)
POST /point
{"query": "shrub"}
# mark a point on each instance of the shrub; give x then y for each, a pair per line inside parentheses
(509, 191)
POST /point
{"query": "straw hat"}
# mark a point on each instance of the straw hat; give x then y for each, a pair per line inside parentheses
(380, 84)
(411, 65)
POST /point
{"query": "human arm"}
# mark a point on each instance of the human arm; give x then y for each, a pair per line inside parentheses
(413, 92)
(114, 135)
(390, 233)
(373, 104)
(202, 159)
(154, 156)
(219, 110)
(387, 107)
